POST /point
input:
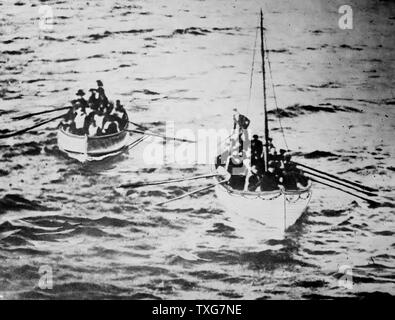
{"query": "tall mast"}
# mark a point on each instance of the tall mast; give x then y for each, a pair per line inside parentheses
(266, 147)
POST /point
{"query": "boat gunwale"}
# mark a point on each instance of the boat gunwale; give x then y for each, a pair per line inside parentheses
(96, 154)
(262, 193)
(76, 136)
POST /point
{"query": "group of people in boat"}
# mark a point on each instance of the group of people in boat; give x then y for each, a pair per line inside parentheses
(248, 168)
(96, 116)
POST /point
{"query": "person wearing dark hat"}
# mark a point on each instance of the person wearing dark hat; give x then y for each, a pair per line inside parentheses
(301, 180)
(241, 120)
(81, 101)
(94, 129)
(118, 106)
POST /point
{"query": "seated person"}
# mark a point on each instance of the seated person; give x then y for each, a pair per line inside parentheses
(253, 180)
(79, 121)
(270, 143)
(277, 169)
(234, 162)
(121, 114)
(99, 119)
(269, 181)
(65, 124)
(89, 110)
(235, 166)
(109, 108)
(281, 156)
(237, 182)
(110, 127)
(81, 101)
(301, 180)
(93, 129)
(70, 115)
(289, 181)
(287, 161)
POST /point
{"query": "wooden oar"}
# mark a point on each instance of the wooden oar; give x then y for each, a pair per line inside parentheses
(19, 132)
(160, 136)
(338, 178)
(156, 134)
(29, 115)
(139, 125)
(370, 194)
(190, 193)
(154, 183)
(372, 202)
(136, 142)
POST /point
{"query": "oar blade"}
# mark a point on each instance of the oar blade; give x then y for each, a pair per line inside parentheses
(159, 182)
(371, 202)
(22, 131)
(161, 136)
(132, 185)
(29, 115)
(356, 184)
(311, 174)
(190, 193)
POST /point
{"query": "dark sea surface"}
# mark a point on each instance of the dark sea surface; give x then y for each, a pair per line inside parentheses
(190, 62)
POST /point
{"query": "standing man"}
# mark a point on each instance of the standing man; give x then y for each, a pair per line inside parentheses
(102, 95)
(256, 150)
(92, 101)
(240, 125)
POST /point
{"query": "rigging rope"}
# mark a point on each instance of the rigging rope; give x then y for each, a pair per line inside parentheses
(252, 71)
(274, 96)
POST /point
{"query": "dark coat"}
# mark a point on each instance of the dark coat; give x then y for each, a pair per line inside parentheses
(253, 182)
(256, 148)
(268, 182)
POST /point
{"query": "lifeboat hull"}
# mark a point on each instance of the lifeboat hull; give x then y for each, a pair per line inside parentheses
(85, 148)
(275, 210)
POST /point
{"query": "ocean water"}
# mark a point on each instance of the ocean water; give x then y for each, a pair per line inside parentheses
(189, 63)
